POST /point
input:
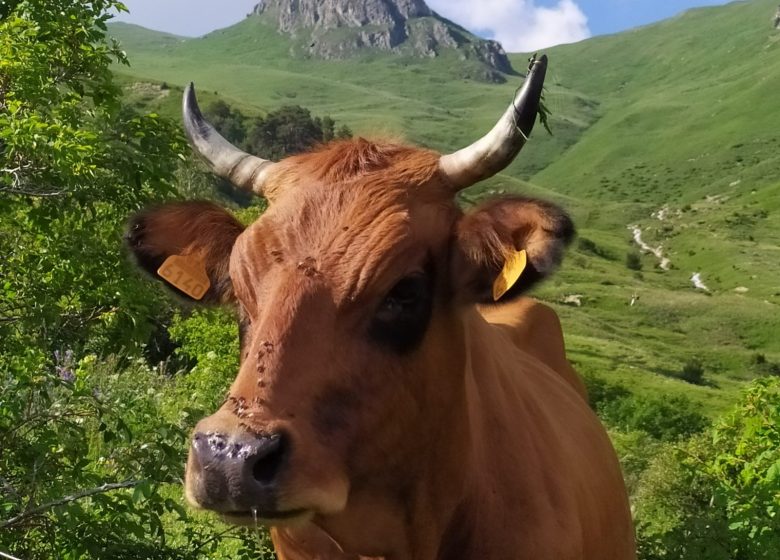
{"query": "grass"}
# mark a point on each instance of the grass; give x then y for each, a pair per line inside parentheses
(681, 114)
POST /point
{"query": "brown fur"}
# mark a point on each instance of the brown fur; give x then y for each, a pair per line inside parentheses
(476, 444)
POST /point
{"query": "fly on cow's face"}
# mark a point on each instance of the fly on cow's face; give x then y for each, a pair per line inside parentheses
(402, 317)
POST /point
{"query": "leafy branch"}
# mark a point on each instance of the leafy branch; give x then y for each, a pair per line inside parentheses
(108, 487)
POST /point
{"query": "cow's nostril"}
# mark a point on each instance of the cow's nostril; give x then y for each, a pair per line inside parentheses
(269, 458)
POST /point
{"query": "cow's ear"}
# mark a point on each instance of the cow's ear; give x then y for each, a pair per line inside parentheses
(506, 246)
(187, 245)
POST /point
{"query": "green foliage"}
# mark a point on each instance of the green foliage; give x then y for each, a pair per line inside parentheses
(70, 431)
(717, 495)
(763, 366)
(92, 462)
(668, 418)
(693, 371)
(75, 164)
(633, 261)
(663, 418)
(210, 338)
(636, 450)
(289, 130)
(230, 122)
(601, 392)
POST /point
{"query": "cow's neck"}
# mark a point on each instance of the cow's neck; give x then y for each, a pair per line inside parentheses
(503, 393)
(443, 511)
(408, 523)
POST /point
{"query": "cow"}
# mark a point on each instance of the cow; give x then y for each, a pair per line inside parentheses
(390, 402)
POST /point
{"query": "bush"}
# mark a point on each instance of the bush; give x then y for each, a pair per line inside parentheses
(693, 372)
(718, 495)
(77, 164)
(92, 461)
(762, 366)
(75, 478)
(636, 451)
(663, 418)
(209, 337)
(601, 392)
(633, 261)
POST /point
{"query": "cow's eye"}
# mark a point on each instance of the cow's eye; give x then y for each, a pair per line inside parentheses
(402, 317)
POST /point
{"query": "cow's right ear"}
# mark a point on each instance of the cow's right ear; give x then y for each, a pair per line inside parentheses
(187, 245)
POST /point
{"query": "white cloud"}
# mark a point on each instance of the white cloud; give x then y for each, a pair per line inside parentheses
(520, 25)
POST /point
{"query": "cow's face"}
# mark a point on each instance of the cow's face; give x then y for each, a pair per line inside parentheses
(350, 292)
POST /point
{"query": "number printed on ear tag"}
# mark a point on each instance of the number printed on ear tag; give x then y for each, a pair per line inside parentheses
(515, 264)
(187, 273)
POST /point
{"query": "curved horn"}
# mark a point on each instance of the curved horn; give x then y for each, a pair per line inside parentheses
(244, 170)
(494, 151)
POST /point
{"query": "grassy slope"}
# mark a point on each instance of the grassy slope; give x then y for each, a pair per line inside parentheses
(665, 115)
(688, 112)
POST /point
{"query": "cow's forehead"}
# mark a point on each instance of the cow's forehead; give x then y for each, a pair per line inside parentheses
(356, 227)
(357, 167)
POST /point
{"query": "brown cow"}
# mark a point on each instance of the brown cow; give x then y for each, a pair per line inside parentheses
(385, 405)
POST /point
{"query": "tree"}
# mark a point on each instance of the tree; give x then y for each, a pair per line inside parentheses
(228, 121)
(75, 164)
(290, 130)
(287, 131)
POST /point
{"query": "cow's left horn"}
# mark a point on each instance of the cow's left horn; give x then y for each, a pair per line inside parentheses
(494, 151)
(244, 170)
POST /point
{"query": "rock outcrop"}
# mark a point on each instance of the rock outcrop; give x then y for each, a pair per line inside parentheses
(335, 29)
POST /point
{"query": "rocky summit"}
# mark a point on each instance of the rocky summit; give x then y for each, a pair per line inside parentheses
(337, 29)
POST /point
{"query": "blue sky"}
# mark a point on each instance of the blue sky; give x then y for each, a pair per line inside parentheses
(520, 25)
(609, 16)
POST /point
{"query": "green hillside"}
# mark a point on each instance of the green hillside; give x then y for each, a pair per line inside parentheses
(678, 117)
(688, 120)
(418, 99)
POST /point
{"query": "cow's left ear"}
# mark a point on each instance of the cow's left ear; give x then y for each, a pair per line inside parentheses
(187, 245)
(512, 241)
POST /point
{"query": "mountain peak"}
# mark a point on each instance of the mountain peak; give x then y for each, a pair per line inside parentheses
(337, 29)
(329, 14)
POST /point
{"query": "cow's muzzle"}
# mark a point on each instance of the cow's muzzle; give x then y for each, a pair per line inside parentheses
(237, 474)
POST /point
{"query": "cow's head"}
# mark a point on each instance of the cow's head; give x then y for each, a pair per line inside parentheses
(350, 291)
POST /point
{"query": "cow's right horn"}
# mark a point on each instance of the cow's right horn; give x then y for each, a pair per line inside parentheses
(494, 151)
(244, 170)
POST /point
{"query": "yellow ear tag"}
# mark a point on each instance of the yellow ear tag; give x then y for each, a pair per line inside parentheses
(187, 273)
(515, 264)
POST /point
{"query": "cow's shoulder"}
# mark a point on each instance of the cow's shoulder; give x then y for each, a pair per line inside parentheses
(536, 330)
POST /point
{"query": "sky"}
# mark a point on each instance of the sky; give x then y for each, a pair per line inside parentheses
(520, 25)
